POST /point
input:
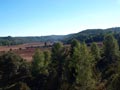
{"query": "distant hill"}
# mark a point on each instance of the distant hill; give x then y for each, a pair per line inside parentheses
(20, 40)
(93, 35)
(88, 36)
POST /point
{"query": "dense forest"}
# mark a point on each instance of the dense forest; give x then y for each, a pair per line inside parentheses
(74, 67)
(88, 36)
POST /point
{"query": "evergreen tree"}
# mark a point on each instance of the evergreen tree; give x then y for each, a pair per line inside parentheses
(12, 70)
(47, 56)
(111, 48)
(38, 63)
(57, 64)
(84, 77)
(109, 63)
(81, 67)
(74, 45)
(95, 52)
(74, 59)
(41, 62)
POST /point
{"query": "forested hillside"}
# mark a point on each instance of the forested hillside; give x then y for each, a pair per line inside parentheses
(77, 67)
(88, 36)
(21, 40)
(93, 35)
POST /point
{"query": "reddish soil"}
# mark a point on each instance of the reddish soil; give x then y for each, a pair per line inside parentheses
(26, 51)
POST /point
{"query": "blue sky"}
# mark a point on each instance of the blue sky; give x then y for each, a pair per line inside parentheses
(48, 17)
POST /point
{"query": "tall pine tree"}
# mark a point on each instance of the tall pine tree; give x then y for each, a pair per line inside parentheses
(56, 66)
(81, 67)
(109, 63)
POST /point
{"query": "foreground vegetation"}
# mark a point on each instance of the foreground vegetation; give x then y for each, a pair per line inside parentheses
(77, 67)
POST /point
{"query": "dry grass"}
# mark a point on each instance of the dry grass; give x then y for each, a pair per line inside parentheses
(26, 51)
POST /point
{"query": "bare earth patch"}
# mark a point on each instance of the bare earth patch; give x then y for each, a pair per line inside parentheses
(26, 51)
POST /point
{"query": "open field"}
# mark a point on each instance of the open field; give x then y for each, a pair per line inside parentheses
(26, 51)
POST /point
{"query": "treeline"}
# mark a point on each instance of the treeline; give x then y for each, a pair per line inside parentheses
(93, 35)
(77, 67)
(87, 36)
(8, 41)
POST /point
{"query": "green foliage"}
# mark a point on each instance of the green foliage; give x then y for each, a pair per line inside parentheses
(81, 67)
(111, 47)
(57, 66)
(75, 67)
(96, 55)
(75, 52)
(109, 63)
(89, 36)
(47, 56)
(74, 58)
(84, 78)
(95, 51)
(40, 62)
(92, 35)
(12, 69)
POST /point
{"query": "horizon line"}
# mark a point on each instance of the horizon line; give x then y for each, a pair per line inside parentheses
(60, 34)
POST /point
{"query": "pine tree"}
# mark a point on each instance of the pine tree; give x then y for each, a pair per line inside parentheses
(111, 48)
(12, 70)
(95, 51)
(112, 72)
(81, 67)
(74, 59)
(84, 76)
(40, 65)
(109, 63)
(75, 44)
(56, 66)
(47, 57)
(40, 62)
